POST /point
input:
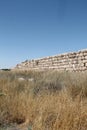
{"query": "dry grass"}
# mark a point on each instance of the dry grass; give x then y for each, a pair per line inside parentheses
(52, 101)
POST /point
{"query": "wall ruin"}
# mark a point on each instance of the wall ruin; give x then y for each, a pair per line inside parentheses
(76, 61)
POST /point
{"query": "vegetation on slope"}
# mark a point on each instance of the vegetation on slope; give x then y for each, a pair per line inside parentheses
(51, 101)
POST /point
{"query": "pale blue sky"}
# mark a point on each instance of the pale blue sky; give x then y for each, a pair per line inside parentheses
(38, 28)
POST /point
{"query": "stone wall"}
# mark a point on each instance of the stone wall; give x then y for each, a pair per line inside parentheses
(76, 61)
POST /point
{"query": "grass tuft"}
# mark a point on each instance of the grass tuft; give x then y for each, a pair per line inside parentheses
(51, 101)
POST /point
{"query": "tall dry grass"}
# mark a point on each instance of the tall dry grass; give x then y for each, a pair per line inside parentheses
(52, 101)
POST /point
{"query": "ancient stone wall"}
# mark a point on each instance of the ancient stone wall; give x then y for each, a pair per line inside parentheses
(76, 61)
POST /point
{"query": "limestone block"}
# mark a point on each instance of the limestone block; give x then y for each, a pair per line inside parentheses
(80, 54)
(84, 61)
(85, 57)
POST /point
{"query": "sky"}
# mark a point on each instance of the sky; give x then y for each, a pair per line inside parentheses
(31, 29)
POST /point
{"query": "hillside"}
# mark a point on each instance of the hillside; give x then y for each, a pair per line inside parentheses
(50, 101)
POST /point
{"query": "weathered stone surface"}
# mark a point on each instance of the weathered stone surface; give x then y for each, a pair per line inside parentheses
(74, 61)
